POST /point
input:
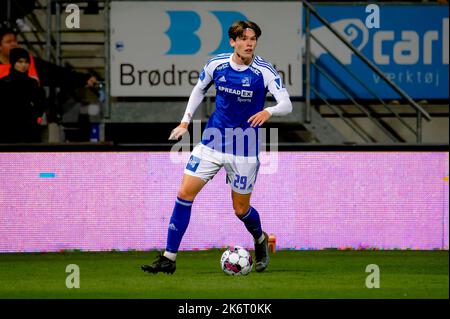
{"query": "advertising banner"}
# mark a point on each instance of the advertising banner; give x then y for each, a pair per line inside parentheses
(315, 200)
(159, 48)
(410, 46)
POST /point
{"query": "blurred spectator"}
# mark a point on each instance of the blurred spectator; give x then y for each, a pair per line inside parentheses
(21, 101)
(47, 74)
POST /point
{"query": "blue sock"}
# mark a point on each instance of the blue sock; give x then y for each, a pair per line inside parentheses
(178, 224)
(252, 222)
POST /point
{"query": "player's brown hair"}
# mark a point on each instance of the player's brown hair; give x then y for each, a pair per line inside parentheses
(237, 29)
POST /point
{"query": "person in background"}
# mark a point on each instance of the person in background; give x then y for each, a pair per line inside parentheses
(21, 102)
(46, 73)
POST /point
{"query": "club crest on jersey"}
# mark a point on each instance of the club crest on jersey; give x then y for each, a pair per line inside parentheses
(245, 81)
(193, 163)
(202, 75)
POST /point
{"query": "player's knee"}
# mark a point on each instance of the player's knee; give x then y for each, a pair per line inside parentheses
(186, 195)
(240, 209)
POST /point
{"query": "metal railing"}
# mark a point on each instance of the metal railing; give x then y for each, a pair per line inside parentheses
(366, 110)
(48, 40)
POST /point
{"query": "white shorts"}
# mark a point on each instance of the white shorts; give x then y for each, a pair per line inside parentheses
(205, 162)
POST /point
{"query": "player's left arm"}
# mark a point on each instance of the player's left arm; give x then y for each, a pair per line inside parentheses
(283, 106)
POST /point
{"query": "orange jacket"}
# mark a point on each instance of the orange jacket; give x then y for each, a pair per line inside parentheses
(32, 72)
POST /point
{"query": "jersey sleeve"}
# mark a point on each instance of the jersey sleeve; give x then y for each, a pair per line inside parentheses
(275, 86)
(198, 93)
(281, 95)
(206, 77)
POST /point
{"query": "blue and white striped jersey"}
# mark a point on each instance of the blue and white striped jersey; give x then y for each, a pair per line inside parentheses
(240, 93)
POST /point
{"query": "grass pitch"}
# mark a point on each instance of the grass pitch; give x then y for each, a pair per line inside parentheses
(291, 275)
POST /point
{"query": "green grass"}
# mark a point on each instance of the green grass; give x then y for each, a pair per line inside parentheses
(291, 275)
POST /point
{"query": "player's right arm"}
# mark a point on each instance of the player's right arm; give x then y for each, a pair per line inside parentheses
(196, 97)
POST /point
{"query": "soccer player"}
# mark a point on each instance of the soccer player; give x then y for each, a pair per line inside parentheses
(230, 138)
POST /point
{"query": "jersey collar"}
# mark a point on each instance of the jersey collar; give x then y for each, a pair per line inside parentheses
(239, 67)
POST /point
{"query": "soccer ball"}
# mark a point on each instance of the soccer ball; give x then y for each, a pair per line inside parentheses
(236, 261)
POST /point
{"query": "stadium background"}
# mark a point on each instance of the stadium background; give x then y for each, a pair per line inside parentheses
(102, 179)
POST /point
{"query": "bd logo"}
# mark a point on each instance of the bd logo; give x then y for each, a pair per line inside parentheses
(184, 25)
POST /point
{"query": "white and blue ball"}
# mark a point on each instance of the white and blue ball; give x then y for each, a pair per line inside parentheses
(236, 261)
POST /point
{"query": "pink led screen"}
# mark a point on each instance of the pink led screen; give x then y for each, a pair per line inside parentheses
(313, 200)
